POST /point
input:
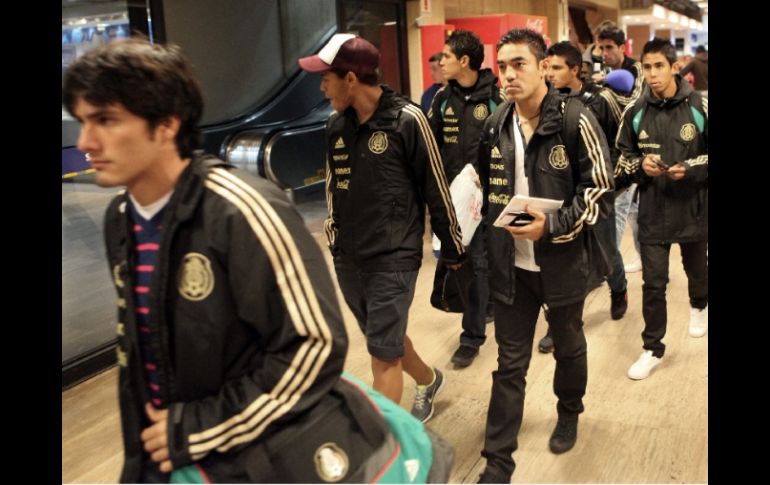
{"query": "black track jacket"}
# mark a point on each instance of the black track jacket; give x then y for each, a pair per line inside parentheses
(564, 253)
(379, 177)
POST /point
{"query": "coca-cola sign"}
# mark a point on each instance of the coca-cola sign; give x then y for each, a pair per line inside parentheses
(536, 25)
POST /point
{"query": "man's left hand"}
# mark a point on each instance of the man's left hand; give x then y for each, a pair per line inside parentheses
(534, 230)
(155, 437)
(677, 171)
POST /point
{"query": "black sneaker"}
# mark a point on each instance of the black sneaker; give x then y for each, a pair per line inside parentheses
(564, 435)
(546, 344)
(464, 355)
(489, 477)
(619, 304)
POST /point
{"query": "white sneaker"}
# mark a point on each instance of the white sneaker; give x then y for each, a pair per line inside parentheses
(633, 266)
(643, 366)
(699, 321)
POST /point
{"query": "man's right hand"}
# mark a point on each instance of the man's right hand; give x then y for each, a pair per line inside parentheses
(651, 167)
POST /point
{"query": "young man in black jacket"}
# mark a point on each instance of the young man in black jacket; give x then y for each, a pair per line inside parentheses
(383, 167)
(663, 139)
(457, 117)
(612, 42)
(230, 339)
(563, 73)
(546, 262)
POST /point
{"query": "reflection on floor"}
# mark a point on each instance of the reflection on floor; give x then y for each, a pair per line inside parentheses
(88, 296)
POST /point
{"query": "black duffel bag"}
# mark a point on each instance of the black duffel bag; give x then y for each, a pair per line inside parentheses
(450, 287)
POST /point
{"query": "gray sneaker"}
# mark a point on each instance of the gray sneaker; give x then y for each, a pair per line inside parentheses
(423, 398)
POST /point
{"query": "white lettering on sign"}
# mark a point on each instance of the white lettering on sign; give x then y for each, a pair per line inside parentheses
(536, 25)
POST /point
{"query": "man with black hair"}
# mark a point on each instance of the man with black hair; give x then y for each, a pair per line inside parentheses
(546, 262)
(563, 73)
(383, 167)
(457, 116)
(663, 139)
(612, 42)
(230, 339)
(699, 67)
(434, 64)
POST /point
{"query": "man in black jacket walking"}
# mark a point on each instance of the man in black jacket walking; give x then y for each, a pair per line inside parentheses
(457, 117)
(383, 167)
(546, 262)
(563, 73)
(230, 339)
(663, 139)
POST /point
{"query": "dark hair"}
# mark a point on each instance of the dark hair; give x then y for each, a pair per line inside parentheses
(152, 81)
(603, 25)
(663, 46)
(700, 49)
(370, 79)
(568, 51)
(614, 34)
(525, 36)
(435, 57)
(467, 43)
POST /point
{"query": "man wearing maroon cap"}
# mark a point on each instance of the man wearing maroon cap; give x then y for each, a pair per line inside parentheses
(383, 167)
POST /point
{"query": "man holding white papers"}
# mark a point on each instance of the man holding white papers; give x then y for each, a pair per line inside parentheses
(456, 117)
(524, 151)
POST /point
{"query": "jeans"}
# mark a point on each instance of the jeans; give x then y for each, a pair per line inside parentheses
(474, 317)
(514, 332)
(655, 276)
(627, 209)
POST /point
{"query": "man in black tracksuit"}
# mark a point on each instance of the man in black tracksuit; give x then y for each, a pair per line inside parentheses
(457, 117)
(612, 42)
(663, 138)
(546, 262)
(383, 167)
(563, 72)
(230, 341)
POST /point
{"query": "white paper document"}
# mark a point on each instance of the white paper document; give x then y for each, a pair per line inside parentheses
(518, 204)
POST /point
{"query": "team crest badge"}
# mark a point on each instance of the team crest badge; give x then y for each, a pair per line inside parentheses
(558, 157)
(480, 112)
(687, 132)
(196, 279)
(331, 463)
(378, 142)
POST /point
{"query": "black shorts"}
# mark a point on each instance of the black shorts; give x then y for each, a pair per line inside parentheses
(380, 302)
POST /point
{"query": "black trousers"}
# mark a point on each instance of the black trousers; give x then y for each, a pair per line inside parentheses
(655, 275)
(514, 332)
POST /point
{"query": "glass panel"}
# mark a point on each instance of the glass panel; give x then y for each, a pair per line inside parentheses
(88, 296)
(377, 22)
(303, 23)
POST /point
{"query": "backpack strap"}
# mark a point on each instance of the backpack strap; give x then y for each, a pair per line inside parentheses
(637, 119)
(695, 100)
(569, 132)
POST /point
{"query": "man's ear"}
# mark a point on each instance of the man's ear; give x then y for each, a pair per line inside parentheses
(543, 65)
(676, 66)
(168, 128)
(465, 60)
